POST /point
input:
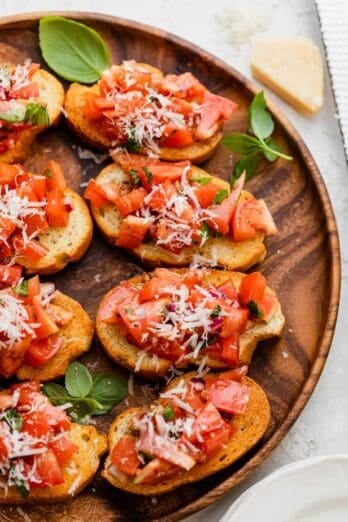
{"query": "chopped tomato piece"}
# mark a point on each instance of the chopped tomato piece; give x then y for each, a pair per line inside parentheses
(42, 350)
(234, 322)
(63, 449)
(95, 194)
(48, 469)
(161, 194)
(110, 190)
(10, 275)
(9, 365)
(154, 288)
(108, 308)
(124, 455)
(206, 193)
(56, 211)
(251, 216)
(26, 390)
(7, 227)
(191, 278)
(3, 450)
(58, 419)
(215, 440)
(168, 275)
(178, 138)
(130, 202)
(252, 288)
(267, 306)
(55, 177)
(230, 350)
(9, 173)
(182, 86)
(228, 396)
(5, 400)
(47, 326)
(26, 91)
(36, 424)
(132, 232)
(139, 317)
(213, 110)
(38, 184)
(209, 419)
(31, 249)
(36, 223)
(228, 290)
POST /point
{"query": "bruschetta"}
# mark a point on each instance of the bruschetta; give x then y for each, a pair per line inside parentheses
(176, 318)
(167, 213)
(31, 99)
(41, 330)
(136, 107)
(198, 427)
(44, 457)
(43, 224)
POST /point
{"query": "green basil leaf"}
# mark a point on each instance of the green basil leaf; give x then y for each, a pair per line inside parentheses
(168, 413)
(260, 119)
(132, 144)
(148, 174)
(134, 177)
(249, 164)
(220, 196)
(20, 485)
(56, 393)
(78, 380)
(21, 289)
(242, 143)
(73, 50)
(109, 388)
(216, 311)
(201, 181)
(205, 231)
(254, 310)
(271, 156)
(13, 419)
(36, 114)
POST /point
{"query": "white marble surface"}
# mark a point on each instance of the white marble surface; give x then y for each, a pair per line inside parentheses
(323, 426)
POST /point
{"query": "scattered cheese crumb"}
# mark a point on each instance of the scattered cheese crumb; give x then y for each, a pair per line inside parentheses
(88, 154)
(285, 355)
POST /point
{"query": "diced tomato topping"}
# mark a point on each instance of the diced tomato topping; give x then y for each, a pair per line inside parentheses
(161, 194)
(124, 455)
(32, 250)
(230, 350)
(132, 232)
(267, 306)
(10, 275)
(178, 138)
(110, 191)
(234, 322)
(7, 227)
(228, 396)
(108, 308)
(130, 202)
(153, 289)
(36, 424)
(251, 216)
(47, 326)
(57, 214)
(139, 317)
(95, 194)
(215, 440)
(229, 290)
(252, 288)
(209, 419)
(206, 193)
(9, 173)
(213, 110)
(26, 390)
(48, 469)
(26, 91)
(55, 177)
(64, 449)
(42, 350)
(220, 216)
(39, 186)
(3, 450)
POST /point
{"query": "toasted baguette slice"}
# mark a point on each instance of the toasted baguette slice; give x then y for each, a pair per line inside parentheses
(52, 94)
(226, 252)
(77, 335)
(77, 474)
(65, 244)
(126, 354)
(251, 427)
(75, 104)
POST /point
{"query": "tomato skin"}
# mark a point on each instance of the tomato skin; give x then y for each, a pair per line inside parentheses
(250, 217)
(206, 193)
(38, 184)
(36, 223)
(213, 110)
(215, 440)
(9, 173)
(108, 308)
(209, 419)
(10, 365)
(124, 455)
(95, 194)
(42, 350)
(138, 317)
(63, 449)
(32, 250)
(130, 202)
(228, 290)
(48, 469)
(26, 390)
(228, 396)
(3, 450)
(178, 139)
(222, 215)
(36, 424)
(230, 350)
(158, 198)
(252, 288)
(234, 322)
(7, 227)
(47, 326)
(56, 212)
(27, 91)
(132, 232)
(56, 179)
(153, 288)
(10, 275)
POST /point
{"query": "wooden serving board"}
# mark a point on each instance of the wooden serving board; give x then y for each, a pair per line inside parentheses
(302, 265)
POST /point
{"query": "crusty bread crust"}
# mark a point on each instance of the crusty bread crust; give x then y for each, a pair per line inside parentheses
(251, 427)
(126, 354)
(52, 94)
(198, 152)
(77, 335)
(66, 244)
(77, 474)
(232, 255)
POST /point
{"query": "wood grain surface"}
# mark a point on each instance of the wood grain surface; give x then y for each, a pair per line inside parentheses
(302, 265)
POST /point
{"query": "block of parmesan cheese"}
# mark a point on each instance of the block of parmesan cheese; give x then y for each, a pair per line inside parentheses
(292, 68)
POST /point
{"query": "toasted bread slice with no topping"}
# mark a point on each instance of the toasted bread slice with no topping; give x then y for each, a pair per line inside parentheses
(232, 255)
(78, 473)
(251, 427)
(74, 106)
(52, 94)
(126, 354)
(65, 244)
(77, 335)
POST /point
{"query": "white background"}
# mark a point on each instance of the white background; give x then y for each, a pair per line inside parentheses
(323, 426)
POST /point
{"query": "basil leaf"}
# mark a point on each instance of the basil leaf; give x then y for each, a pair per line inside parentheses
(134, 177)
(48, 173)
(271, 156)
(20, 484)
(21, 289)
(216, 311)
(132, 144)
(78, 380)
(201, 181)
(241, 143)
(260, 119)
(148, 174)
(13, 419)
(205, 231)
(56, 393)
(108, 389)
(168, 413)
(85, 407)
(254, 310)
(220, 196)
(249, 164)
(73, 50)
(36, 114)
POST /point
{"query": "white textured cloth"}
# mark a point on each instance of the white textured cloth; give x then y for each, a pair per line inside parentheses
(333, 16)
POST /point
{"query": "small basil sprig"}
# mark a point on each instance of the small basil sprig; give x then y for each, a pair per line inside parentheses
(254, 149)
(87, 394)
(74, 51)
